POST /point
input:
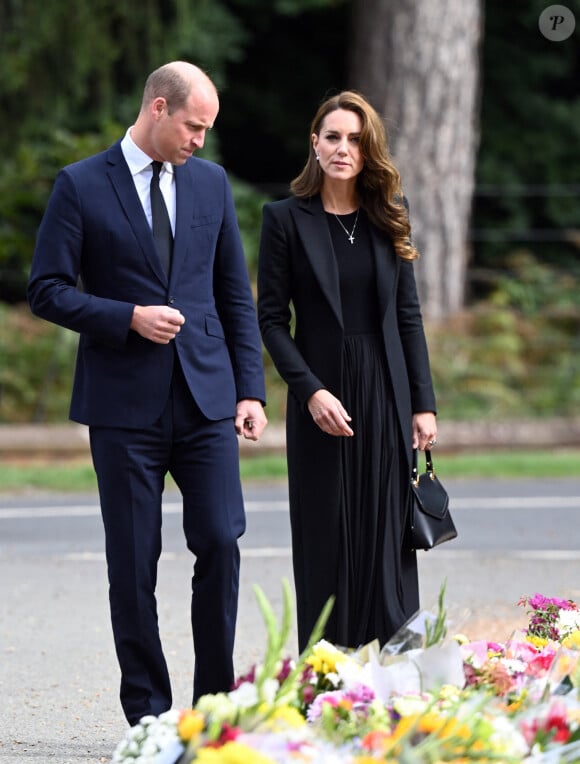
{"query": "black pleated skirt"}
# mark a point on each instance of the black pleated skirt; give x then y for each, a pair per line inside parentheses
(377, 587)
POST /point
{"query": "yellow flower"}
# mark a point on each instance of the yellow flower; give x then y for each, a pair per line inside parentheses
(404, 725)
(572, 641)
(449, 692)
(432, 723)
(190, 724)
(231, 753)
(538, 642)
(325, 657)
(287, 716)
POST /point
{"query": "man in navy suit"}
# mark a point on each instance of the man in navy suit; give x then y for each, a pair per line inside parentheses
(169, 367)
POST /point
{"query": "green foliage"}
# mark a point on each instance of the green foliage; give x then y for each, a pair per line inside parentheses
(26, 179)
(36, 366)
(79, 477)
(530, 131)
(278, 635)
(516, 354)
(79, 65)
(436, 630)
(249, 203)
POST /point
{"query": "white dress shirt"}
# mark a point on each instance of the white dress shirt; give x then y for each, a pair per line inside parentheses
(141, 170)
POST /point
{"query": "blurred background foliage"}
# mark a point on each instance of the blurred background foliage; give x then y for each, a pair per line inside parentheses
(72, 82)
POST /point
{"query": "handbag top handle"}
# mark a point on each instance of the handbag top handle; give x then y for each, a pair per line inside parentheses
(428, 466)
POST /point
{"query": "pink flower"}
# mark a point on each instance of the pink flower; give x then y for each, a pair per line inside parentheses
(539, 602)
(540, 665)
(332, 698)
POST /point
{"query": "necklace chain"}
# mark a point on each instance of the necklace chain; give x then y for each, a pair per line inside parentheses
(345, 229)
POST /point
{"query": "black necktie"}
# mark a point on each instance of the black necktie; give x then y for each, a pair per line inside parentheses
(161, 224)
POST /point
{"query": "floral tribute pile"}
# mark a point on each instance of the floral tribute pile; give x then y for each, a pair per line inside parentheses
(425, 697)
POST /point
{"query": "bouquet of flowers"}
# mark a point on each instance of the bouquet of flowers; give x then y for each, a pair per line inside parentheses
(552, 619)
(423, 697)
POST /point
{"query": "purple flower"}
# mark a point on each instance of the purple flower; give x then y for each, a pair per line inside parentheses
(539, 602)
(360, 693)
(285, 670)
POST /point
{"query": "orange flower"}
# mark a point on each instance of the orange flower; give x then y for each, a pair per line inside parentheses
(376, 740)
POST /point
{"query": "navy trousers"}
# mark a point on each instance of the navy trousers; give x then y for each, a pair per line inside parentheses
(131, 465)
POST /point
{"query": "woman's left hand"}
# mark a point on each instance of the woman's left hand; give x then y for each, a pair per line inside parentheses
(424, 430)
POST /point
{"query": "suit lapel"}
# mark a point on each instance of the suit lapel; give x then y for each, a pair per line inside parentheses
(315, 237)
(131, 204)
(185, 200)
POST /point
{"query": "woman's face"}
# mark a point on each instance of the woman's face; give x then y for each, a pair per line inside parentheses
(338, 145)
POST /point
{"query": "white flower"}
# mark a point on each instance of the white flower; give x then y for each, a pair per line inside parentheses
(349, 673)
(568, 622)
(244, 696)
(134, 747)
(149, 747)
(218, 707)
(506, 738)
(144, 742)
(514, 665)
(407, 705)
(146, 721)
(269, 690)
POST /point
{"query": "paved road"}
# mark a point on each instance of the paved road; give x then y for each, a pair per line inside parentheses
(58, 675)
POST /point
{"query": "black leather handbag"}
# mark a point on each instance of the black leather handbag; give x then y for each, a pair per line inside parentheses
(429, 521)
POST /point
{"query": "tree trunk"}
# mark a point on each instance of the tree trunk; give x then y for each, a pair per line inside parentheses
(417, 61)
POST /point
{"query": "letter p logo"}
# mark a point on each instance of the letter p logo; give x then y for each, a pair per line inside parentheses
(557, 23)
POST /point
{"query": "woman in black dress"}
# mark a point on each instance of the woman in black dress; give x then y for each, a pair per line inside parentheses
(339, 315)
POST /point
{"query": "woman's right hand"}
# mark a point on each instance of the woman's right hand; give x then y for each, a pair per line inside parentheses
(329, 413)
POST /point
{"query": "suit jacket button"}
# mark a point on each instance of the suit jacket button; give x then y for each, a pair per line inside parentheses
(171, 301)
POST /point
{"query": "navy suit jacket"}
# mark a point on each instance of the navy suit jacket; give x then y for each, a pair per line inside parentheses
(95, 259)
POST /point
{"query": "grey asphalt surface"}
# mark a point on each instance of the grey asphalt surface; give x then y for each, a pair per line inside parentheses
(59, 677)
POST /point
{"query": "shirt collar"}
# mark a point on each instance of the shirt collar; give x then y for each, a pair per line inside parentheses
(136, 158)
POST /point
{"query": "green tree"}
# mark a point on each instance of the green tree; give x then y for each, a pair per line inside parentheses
(72, 76)
(79, 65)
(527, 172)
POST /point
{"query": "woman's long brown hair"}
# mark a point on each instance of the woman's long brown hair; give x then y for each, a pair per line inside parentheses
(378, 183)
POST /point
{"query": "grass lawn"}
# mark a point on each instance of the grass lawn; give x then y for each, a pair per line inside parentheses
(78, 477)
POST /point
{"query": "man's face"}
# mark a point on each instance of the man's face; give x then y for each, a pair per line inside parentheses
(176, 136)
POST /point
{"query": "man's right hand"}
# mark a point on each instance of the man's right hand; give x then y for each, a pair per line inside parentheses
(157, 323)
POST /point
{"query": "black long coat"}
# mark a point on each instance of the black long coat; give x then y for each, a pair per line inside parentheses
(298, 275)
